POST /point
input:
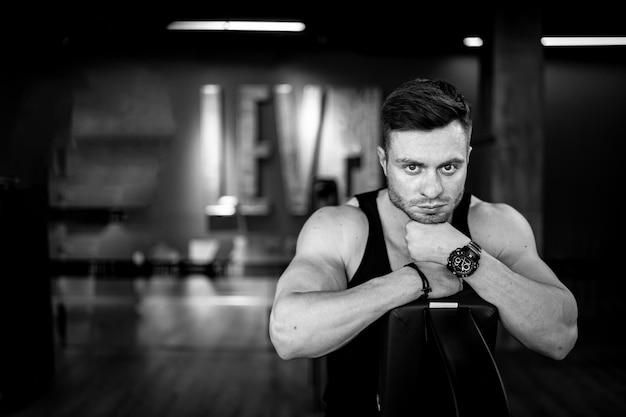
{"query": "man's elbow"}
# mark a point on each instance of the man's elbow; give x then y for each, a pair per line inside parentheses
(281, 346)
(565, 344)
(284, 342)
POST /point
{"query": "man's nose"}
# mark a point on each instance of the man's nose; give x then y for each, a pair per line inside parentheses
(430, 186)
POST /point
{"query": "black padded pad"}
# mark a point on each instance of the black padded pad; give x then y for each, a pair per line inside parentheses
(439, 361)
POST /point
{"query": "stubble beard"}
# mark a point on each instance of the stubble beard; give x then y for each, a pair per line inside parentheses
(405, 205)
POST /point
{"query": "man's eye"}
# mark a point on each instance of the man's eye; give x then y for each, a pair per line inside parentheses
(412, 168)
(449, 169)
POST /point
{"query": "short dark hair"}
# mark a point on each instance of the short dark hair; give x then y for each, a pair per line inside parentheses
(424, 104)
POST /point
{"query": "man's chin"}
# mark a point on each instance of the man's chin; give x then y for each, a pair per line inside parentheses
(430, 218)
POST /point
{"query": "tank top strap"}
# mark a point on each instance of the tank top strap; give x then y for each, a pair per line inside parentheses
(375, 261)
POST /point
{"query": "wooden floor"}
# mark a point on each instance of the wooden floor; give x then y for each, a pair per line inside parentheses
(195, 346)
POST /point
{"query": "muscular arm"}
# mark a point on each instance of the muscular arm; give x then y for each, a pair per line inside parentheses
(314, 312)
(534, 306)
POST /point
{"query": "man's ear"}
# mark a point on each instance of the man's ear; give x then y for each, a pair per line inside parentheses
(382, 159)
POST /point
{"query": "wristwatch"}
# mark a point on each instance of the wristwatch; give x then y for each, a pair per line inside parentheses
(463, 262)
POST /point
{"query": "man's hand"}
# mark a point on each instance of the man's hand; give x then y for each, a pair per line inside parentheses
(429, 246)
(433, 242)
(442, 281)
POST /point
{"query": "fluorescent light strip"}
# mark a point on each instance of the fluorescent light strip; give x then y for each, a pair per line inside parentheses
(476, 42)
(473, 42)
(237, 25)
(583, 41)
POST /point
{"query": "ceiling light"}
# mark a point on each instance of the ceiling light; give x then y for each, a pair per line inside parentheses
(583, 41)
(475, 42)
(237, 25)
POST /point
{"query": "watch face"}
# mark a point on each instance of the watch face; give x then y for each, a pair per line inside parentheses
(461, 263)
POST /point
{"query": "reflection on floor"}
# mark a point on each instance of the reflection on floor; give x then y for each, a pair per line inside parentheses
(172, 347)
(169, 346)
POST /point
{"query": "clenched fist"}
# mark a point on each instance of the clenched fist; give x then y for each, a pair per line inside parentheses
(433, 242)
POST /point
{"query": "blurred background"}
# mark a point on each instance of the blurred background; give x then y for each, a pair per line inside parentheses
(153, 182)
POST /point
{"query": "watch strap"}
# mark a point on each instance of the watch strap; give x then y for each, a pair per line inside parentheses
(475, 248)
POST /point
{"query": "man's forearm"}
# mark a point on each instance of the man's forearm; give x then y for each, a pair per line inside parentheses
(542, 316)
(312, 324)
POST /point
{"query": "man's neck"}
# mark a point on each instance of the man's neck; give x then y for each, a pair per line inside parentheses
(395, 218)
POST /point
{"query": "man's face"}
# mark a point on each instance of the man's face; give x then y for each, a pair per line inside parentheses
(426, 171)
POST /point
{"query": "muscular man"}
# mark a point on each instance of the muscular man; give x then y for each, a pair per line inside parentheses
(349, 268)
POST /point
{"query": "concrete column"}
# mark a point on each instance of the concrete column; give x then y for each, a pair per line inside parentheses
(517, 113)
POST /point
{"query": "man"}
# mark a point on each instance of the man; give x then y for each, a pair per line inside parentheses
(350, 265)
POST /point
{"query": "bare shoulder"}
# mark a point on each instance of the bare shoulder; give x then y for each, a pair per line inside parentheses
(500, 227)
(334, 227)
(327, 249)
(486, 213)
(342, 216)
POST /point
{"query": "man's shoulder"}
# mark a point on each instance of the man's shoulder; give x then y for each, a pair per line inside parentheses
(345, 215)
(486, 209)
(501, 230)
(489, 218)
(337, 231)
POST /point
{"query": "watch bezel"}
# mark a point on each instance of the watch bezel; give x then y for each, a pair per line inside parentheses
(469, 253)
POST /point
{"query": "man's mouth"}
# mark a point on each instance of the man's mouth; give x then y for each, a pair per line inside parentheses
(431, 208)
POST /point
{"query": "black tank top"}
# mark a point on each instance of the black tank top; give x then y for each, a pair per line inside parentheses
(352, 370)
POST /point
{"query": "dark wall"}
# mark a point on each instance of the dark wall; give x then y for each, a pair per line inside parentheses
(584, 130)
(583, 121)
(26, 351)
(183, 80)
